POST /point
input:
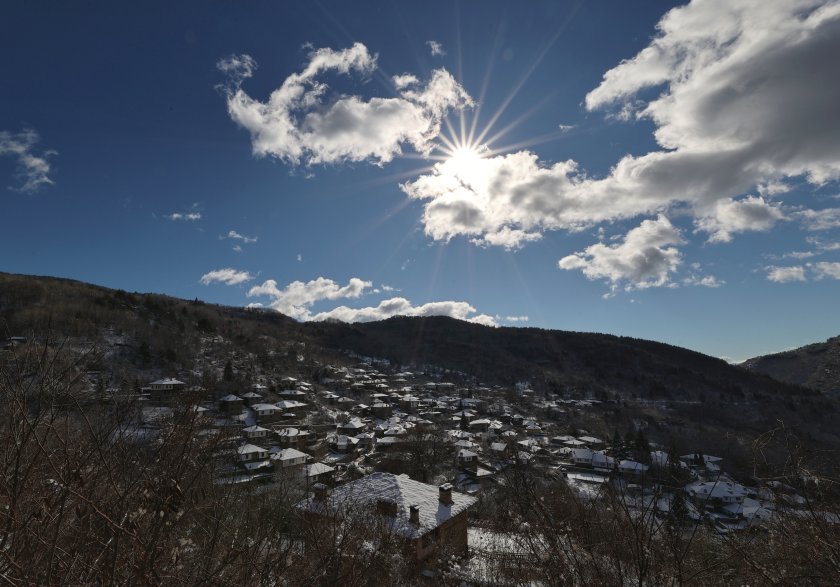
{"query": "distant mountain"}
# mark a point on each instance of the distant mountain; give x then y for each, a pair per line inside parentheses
(816, 366)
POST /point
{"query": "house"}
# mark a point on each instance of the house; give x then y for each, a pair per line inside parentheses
(591, 441)
(293, 437)
(426, 517)
(581, 456)
(628, 467)
(318, 473)
(251, 432)
(467, 458)
(251, 397)
(251, 452)
(231, 404)
(266, 412)
(717, 493)
(499, 449)
(165, 389)
(288, 457)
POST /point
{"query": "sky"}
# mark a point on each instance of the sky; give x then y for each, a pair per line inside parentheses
(658, 170)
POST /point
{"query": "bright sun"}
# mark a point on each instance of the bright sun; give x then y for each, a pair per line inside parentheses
(464, 160)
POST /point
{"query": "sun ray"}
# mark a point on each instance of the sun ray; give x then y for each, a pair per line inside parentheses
(518, 86)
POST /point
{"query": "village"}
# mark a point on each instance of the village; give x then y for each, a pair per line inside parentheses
(424, 452)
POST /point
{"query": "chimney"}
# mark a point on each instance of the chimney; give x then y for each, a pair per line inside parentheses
(445, 494)
(320, 492)
(414, 514)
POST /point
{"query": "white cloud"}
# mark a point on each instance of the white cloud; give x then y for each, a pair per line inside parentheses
(786, 274)
(747, 99)
(241, 237)
(826, 270)
(641, 260)
(703, 281)
(731, 216)
(402, 307)
(516, 318)
(227, 276)
(404, 80)
(33, 170)
(815, 220)
(187, 216)
(297, 298)
(299, 257)
(299, 124)
(436, 48)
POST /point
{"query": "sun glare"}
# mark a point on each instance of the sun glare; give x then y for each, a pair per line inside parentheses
(465, 160)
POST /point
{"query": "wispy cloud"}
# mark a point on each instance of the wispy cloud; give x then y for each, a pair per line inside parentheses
(33, 170)
(227, 276)
(435, 48)
(187, 216)
(191, 215)
(240, 238)
(786, 274)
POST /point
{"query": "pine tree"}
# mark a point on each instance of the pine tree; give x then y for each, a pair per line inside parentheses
(228, 375)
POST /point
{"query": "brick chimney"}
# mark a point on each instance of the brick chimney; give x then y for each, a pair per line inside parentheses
(321, 492)
(414, 514)
(445, 493)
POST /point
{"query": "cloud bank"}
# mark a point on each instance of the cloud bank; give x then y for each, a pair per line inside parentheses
(747, 96)
(297, 298)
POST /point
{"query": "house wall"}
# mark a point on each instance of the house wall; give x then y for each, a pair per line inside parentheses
(451, 535)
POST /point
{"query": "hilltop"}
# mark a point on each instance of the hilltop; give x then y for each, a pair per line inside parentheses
(816, 366)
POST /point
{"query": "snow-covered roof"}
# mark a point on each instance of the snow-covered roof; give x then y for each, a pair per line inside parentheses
(726, 490)
(167, 381)
(264, 407)
(632, 466)
(254, 428)
(402, 491)
(231, 398)
(288, 454)
(249, 449)
(318, 469)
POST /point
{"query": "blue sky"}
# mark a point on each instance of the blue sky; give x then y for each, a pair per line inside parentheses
(614, 167)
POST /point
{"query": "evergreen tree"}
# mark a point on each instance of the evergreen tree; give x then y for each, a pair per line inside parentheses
(228, 375)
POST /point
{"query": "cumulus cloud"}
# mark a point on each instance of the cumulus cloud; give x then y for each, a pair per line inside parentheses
(747, 95)
(227, 276)
(399, 306)
(826, 270)
(33, 171)
(786, 274)
(436, 48)
(297, 298)
(730, 216)
(644, 258)
(302, 123)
